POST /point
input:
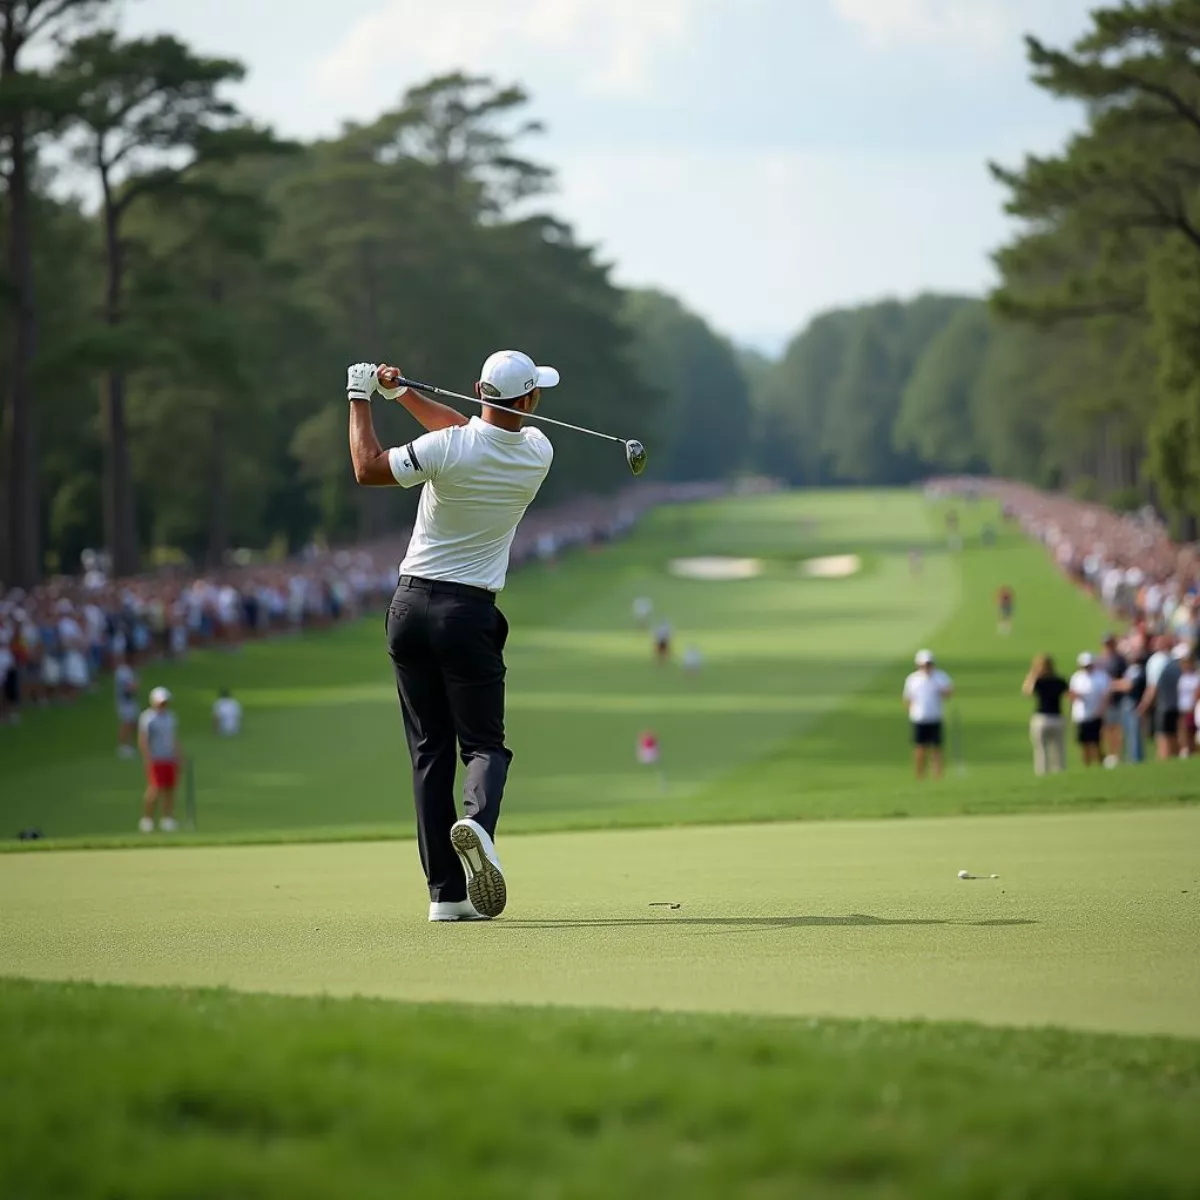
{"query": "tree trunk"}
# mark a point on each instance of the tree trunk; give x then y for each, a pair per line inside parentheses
(23, 559)
(218, 494)
(120, 525)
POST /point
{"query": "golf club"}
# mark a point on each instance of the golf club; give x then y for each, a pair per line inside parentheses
(635, 452)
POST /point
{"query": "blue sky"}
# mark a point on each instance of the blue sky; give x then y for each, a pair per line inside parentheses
(762, 159)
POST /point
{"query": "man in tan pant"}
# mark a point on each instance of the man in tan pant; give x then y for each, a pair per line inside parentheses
(1047, 730)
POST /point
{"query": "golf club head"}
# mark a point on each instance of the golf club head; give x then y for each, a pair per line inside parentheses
(635, 455)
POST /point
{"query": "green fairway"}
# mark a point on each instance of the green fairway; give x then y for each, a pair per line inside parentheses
(1091, 923)
(794, 714)
(763, 947)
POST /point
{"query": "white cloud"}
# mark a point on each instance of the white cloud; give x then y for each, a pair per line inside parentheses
(610, 46)
(981, 25)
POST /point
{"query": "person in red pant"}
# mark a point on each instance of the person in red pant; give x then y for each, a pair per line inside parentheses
(158, 740)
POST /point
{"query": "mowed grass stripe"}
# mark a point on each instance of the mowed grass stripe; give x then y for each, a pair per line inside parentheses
(323, 744)
(796, 713)
(1091, 924)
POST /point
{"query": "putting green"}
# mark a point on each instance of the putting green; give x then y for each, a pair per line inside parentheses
(1092, 922)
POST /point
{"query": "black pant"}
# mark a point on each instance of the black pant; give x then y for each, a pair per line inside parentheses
(446, 643)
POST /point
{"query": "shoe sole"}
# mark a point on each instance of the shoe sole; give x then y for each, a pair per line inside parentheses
(486, 888)
(454, 920)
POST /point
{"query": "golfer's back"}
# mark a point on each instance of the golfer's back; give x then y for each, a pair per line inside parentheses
(479, 480)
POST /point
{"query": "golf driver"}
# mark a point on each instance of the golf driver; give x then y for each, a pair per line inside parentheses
(635, 452)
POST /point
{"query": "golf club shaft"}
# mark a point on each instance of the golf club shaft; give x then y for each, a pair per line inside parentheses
(437, 391)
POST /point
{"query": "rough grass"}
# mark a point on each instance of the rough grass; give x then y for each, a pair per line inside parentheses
(111, 1092)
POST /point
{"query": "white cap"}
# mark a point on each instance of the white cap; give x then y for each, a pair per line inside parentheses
(924, 658)
(1085, 659)
(1183, 650)
(159, 695)
(509, 374)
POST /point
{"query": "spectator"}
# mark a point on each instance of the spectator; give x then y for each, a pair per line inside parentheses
(1005, 600)
(158, 740)
(1114, 664)
(1161, 700)
(125, 685)
(1046, 730)
(9, 694)
(662, 642)
(1189, 688)
(1089, 694)
(925, 692)
(227, 715)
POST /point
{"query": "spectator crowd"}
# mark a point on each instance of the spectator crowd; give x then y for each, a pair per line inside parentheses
(1140, 687)
(58, 639)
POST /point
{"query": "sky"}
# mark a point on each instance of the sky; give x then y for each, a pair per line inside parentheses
(763, 160)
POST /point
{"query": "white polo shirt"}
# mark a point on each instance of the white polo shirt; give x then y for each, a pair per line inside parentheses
(1089, 688)
(926, 693)
(479, 480)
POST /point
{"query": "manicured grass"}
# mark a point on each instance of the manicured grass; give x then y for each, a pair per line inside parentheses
(112, 1092)
(795, 713)
(1091, 923)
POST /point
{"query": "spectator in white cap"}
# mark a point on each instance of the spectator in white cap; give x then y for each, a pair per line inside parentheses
(158, 740)
(1089, 695)
(925, 692)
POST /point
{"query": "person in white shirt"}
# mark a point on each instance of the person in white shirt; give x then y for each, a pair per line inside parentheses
(158, 740)
(1189, 688)
(1089, 695)
(227, 715)
(445, 634)
(925, 692)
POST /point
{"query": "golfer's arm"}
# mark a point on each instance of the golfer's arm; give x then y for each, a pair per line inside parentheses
(371, 467)
(431, 415)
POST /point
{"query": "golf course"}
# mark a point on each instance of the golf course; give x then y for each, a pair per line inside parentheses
(749, 969)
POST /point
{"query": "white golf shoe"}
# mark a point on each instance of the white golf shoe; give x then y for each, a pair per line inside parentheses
(454, 910)
(485, 880)
(168, 825)
(146, 825)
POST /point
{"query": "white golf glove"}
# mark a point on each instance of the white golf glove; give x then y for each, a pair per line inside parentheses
(361, 380)
(389, 393)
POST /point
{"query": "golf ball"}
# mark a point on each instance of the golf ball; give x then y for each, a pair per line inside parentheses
(964, 874)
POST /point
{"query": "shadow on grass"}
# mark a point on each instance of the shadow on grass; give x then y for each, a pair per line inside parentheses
(738, 924)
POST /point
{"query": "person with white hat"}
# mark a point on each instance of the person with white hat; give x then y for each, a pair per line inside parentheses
(445, 634)
(1089, 690)
(158, 740)
(925, 692)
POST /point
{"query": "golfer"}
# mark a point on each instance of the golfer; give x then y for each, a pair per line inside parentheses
(445, 634)
(925, 692)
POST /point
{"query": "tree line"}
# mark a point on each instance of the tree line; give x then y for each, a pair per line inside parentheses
(181, 291)
(172, 345)
(1082, 370)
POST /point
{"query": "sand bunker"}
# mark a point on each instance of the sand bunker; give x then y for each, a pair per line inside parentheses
(837, 566)
(716, 568)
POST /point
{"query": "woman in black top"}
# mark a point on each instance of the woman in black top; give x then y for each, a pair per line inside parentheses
(1046, 727)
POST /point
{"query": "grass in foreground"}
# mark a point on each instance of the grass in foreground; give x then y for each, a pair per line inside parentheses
(138, 1093)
